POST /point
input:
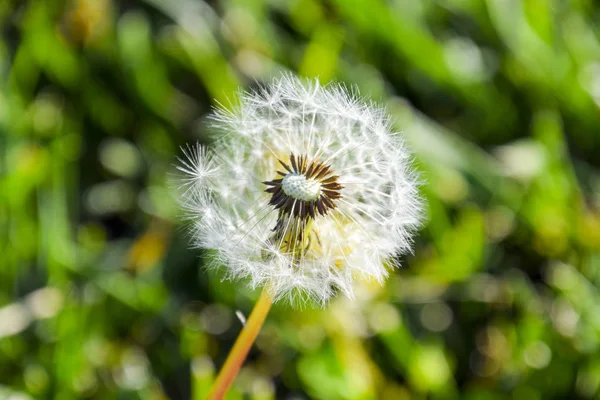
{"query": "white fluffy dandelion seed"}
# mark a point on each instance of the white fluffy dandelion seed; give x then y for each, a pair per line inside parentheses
(307, 189)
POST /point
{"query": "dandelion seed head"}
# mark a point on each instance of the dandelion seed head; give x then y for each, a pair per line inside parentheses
(306, 190)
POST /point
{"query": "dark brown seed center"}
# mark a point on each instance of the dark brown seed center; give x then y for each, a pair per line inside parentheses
(305, 189)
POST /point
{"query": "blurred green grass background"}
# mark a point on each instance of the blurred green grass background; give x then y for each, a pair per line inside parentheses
(101, 298)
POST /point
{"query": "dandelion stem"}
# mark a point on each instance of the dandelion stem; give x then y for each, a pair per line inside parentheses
(242, 345)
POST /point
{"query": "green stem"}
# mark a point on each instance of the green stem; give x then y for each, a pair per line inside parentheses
(240, 349)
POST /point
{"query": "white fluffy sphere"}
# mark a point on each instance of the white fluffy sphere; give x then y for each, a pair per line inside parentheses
(317, 230)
